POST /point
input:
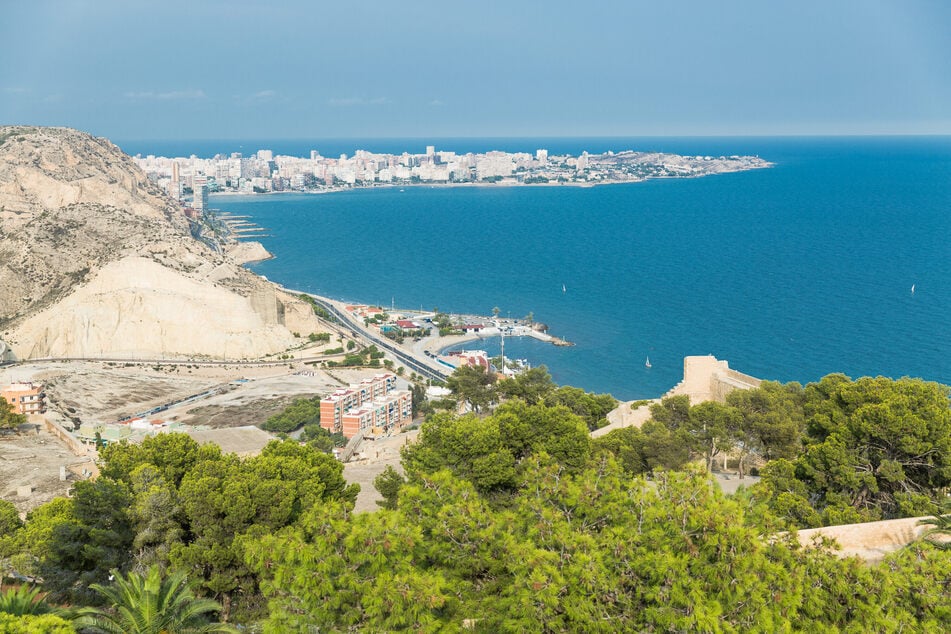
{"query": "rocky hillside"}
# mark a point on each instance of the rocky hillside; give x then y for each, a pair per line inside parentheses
(96, 260)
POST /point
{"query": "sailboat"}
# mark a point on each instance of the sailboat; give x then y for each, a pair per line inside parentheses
(647, 363)
(564, 289)
(912, 289)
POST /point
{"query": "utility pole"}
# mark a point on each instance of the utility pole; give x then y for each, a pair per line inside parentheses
(502, 346)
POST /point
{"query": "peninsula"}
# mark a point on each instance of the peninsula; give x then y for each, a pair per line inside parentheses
(263, 172)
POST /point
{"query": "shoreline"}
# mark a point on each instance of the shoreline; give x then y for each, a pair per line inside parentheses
(427, 349)
(447, 185)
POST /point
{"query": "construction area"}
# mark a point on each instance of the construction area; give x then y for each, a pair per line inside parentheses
(224, 401)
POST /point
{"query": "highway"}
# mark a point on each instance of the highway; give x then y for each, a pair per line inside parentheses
(359, 330)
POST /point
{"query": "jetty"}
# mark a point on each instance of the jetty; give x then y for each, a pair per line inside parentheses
(239, 227)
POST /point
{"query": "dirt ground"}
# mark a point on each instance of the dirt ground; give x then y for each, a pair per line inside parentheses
(371, 461)
(32, 458)
(230, 395)
(82, 392)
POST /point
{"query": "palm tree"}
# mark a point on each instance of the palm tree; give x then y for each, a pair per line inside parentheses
(150, 604)
(940, 533)
(23, 601)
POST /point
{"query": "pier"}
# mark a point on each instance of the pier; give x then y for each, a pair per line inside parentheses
(240, 227)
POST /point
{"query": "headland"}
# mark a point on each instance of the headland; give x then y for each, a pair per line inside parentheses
(263, 172)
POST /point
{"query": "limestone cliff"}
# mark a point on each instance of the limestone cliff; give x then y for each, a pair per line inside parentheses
(96, 260)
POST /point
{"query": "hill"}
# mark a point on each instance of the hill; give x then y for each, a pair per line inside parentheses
(95, 260)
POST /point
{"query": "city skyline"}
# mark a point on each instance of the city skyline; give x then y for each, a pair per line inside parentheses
(239, 69)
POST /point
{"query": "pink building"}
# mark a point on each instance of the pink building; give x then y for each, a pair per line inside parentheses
(372, 407)
(25, 398)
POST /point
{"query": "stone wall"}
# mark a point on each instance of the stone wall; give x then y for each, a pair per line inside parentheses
(707, 378)
(54, 428)
(870, 541)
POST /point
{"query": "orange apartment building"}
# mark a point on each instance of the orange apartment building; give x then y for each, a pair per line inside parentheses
(25, 398)
(372, 407)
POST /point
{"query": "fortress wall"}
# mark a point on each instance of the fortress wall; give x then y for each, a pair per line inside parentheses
(706, 378)
(624, 416)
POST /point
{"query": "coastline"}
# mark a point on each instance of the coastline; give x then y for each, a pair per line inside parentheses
(426, 351)
(447, 185)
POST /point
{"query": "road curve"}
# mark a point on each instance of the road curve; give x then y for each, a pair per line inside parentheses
(417, 365)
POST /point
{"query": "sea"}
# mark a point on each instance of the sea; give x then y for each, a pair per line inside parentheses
(837, 259)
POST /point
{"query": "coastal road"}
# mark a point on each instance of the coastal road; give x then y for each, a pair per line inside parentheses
(417, 365)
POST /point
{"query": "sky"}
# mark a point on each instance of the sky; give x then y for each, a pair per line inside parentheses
(241, 69)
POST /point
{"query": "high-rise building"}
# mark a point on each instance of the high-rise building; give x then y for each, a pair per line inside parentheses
(200, 192)
(175, 185)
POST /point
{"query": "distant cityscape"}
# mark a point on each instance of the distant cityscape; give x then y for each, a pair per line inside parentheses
(194, 177)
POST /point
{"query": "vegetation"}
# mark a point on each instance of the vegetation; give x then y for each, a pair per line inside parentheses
(29, 624)
(321, 439)
(585, 551)
(150, 603)
(171, 503)
(25, 600)
(509, 517)
(319, 310)
(940, 532)
(303, 411)
(479, 390)
(8, 418)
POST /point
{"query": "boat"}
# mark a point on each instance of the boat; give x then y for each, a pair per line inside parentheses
(647, 363)
(564, 289)
(912, 289)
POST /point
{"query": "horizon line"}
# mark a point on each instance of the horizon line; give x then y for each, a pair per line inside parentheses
(577, 136)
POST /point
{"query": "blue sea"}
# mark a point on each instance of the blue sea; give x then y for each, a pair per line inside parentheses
(789, 273)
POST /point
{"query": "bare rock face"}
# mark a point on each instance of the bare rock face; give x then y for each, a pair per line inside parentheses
(95, 261)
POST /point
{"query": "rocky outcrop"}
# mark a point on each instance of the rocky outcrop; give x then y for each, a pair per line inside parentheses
(96, 261)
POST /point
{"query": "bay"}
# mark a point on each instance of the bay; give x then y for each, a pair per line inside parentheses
(789, 273)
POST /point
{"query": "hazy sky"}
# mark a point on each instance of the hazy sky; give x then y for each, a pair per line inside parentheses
(136, 69)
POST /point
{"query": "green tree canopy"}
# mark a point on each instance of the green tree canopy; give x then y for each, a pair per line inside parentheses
(875, 448)
(172, 454)
(303, 411)
(530, 386)
(8, 418)
(473, 385)
(486, 451)
(591, 551)
(96, 538)
(470, 447)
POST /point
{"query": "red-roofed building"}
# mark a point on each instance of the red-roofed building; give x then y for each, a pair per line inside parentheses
(470, 357)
